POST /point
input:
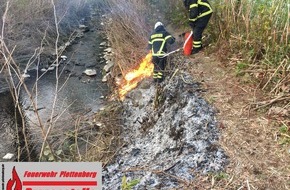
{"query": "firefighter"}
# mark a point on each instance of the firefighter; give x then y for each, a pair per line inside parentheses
(200, 12)
(158, 45)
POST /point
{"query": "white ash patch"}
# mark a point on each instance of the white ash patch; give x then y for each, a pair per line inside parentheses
(177, 138)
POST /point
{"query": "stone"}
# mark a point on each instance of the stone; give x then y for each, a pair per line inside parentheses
(63, 57)
(103, 43)
(8, 156)
(82, 26)
(108, 50)
(108, 66)
(50, 68)
(67, 44)
(90, 72)
(105, 78)
(25, 75)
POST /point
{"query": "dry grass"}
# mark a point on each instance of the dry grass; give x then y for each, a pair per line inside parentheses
(128, 32)
(250, 138)
(256, 37)
(95, 138)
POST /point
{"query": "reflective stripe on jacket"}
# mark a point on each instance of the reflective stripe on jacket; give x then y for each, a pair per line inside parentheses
(197, 9)
(158, 41)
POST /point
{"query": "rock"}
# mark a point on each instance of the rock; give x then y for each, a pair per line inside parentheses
(108, 66)
(63, 57)
(50, 68)
(25, 75)
(107, 57)
(90, 72)
(99, 124)
(67, 44)
(103, 43)
(84, 28)
(105, 78)
(8, 156)
(81, 26)
(109, 50)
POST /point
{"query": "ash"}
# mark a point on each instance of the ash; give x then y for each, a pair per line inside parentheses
(170, 133)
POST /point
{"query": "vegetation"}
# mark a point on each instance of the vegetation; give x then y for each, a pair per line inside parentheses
(127, 30)
(251, 37)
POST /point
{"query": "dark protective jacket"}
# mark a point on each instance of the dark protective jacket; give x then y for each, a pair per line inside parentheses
(158, 41)
(197, 9)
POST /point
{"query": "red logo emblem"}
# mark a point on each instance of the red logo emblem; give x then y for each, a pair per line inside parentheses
(14, 183)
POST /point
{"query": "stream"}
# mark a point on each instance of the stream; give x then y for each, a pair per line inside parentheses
(61, 95)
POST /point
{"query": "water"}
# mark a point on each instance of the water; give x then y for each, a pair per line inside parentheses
(76, 94)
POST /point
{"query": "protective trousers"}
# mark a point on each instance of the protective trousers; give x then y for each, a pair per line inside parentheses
(197, 29)
(159, 66)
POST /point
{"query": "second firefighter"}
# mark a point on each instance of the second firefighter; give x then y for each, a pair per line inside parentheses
(200, 12)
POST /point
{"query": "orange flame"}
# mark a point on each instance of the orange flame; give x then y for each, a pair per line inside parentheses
(132, 78)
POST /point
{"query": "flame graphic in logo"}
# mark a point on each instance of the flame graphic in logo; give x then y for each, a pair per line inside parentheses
(15, 181)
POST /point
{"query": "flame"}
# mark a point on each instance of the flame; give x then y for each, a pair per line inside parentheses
(15, 181)
(132, 78)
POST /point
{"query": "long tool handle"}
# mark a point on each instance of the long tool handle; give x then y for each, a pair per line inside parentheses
(165, 55)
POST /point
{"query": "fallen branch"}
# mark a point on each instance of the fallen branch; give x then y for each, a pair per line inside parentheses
(269, 102)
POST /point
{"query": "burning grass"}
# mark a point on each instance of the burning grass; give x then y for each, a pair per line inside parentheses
(133, 77)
